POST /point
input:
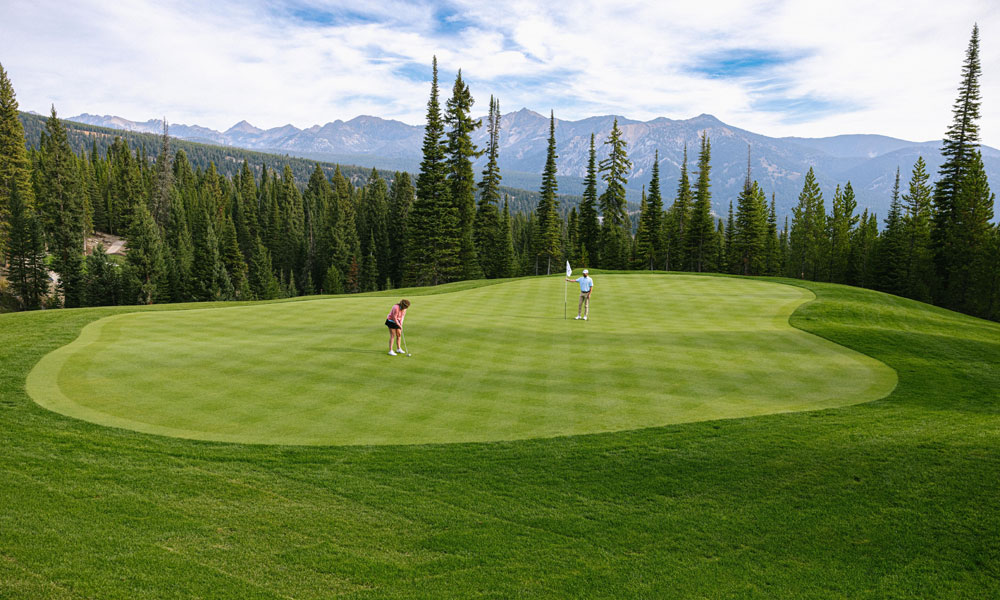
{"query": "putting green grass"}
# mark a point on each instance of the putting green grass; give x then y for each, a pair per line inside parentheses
(489, 363)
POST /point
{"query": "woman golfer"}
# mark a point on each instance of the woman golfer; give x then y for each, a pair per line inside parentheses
(394, 321)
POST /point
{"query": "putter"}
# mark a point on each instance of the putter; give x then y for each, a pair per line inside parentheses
(402, 338)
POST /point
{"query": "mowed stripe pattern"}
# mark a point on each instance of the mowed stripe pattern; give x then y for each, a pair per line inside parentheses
(490, 363)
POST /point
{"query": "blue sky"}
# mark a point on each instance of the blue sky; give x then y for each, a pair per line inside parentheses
(774, 67)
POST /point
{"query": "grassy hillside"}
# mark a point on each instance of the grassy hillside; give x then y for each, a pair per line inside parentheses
(890, 499)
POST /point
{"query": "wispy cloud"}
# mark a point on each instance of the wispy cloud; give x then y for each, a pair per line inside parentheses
(780, 67)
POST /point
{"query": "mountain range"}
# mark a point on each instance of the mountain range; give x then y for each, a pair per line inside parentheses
(869, 162)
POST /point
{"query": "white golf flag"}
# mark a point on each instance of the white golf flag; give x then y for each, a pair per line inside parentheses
(569, 270)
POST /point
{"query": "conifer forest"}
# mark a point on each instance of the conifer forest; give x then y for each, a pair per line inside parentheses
(199, 230)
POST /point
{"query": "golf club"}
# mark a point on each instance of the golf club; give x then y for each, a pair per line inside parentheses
(402, 339)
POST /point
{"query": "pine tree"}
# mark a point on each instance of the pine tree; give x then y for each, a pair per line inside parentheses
(890, 253)
(700, 232)
(61, 203)
(179, 254)
(26, 270)
(969, 281)
(102, 284)
(573, 237)
(260, 274)
(145, 255)
(772, 243)
(15, 168)
(346, 244)
(649, 235)
(400, 202)
(315, 205)
(125, 188)
(807, 239)
(230, 255)
(750, 237)
(918, 265)
(676, 222)
(861, 270)
(246, 219)
(547, 231)
(508, 259)
(490, 238)
(719, 259)
(372, 229)
(960, 144)
(727, 262)
(434, 233)
(842, 224)
(460, 154)
(590, 227)
(207, 269)
(616, 238)
(160, 202)
(369, 268)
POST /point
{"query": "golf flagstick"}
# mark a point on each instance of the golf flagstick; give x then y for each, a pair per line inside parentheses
(569, 273)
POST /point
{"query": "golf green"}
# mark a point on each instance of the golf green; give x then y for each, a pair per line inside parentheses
(490, 363)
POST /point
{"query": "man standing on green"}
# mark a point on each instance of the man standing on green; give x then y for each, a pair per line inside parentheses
(586, 287)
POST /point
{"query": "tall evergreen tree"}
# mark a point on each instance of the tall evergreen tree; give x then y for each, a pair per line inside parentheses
(145, 256)
(750, 239)
(676, 222)
(345, 242)
(772, 243)
(26, 270)
(590, 227)
(101, 283)
(862, 267)
(179, 254)
(508, 259)
(230, 255)
(548, 228)
(842, 224)
(890, 255)
(918, 269)
(700, 233)
(490, 238)
(728, 262)
(649, 235)
(460, 154)
(807, 239)
(206, 268)
(373, 230)
(264, 284)
(246, 217)
(960, 144)
(61, 203)
(15, 168)
(400, 201)
(969, 281)
(434, 233)
(160, 202)
(616, 234)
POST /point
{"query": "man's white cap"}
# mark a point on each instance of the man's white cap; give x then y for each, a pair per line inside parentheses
(585, 271)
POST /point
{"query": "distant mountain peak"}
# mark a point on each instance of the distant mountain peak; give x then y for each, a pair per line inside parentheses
(243, 127)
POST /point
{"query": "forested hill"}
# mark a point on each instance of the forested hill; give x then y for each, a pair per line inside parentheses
(228, 159)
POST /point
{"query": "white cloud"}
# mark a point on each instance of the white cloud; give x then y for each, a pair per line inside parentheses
(890, 67)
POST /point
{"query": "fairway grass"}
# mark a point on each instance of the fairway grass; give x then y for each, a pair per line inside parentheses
(490, 363)
(890, 499)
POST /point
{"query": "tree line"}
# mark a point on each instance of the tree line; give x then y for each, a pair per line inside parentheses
(195, 233)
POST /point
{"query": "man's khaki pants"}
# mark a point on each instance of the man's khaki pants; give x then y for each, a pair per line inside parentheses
(584, 307)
